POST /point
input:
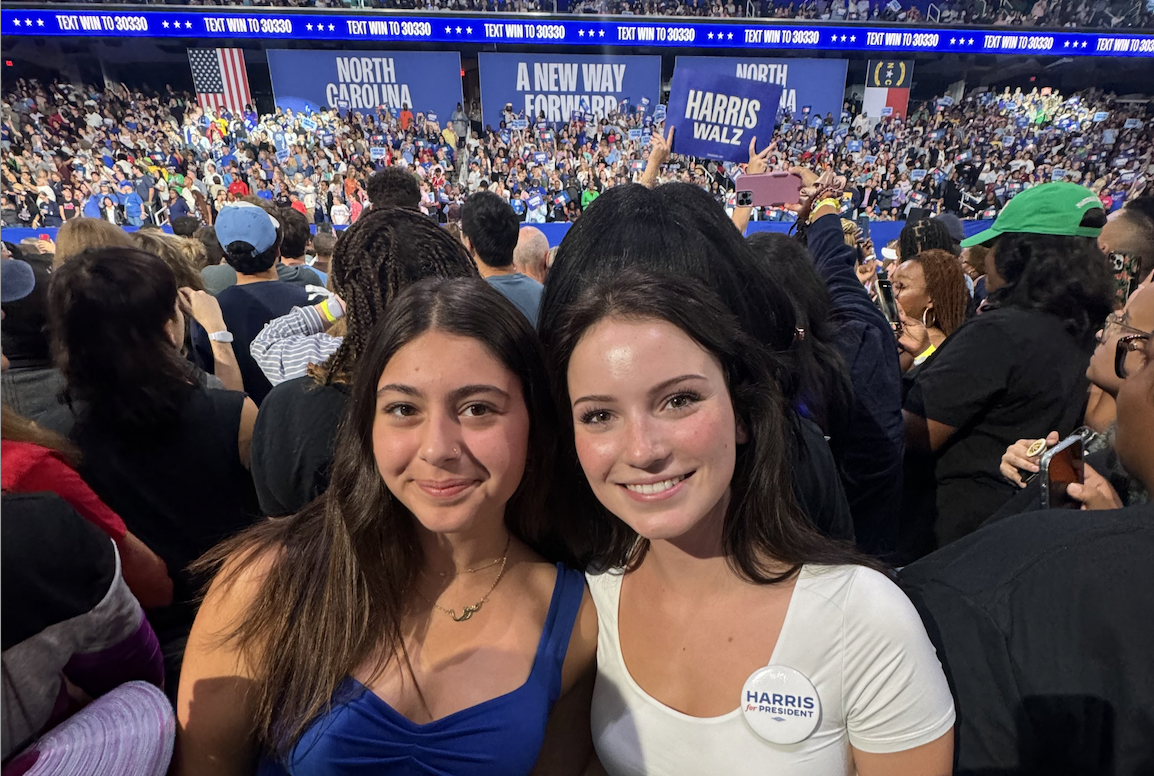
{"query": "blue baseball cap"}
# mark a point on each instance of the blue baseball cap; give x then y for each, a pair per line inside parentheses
(16, 280)
(246, 222)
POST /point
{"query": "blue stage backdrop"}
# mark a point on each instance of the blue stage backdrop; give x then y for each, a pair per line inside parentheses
(560, 84)
(428, 81)
(881, 231)
(816, 83)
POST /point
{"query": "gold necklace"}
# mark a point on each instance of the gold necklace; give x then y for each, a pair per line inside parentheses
(472, 609)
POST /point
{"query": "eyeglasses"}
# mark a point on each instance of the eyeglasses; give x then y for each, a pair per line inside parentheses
(1113, 319)
(1130, 355)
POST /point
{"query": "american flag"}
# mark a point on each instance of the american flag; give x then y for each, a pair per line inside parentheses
(220, 79)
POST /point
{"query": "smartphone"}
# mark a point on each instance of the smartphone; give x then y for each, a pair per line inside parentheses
(886, 301)
(767, 189)
(1060, 466)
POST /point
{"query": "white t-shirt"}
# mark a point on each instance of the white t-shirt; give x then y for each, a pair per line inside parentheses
(850, 630)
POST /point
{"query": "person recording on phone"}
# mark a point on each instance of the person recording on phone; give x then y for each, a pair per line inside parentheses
(1107, 485)
(866, 434)
(1017, 370)
(1042, 621)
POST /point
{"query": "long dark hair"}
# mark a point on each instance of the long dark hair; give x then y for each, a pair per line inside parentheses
(107, 309)
(1067, 277)
(675, 229)
(376, 258)
(824, 377)
(342, 570)
(764, 526)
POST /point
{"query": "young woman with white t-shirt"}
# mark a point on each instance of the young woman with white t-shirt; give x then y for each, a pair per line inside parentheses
(732, 635)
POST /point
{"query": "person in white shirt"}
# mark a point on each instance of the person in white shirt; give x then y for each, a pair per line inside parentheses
(732, 636)
(340, 212)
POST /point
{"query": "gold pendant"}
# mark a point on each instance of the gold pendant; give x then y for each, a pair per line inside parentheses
(468, 612)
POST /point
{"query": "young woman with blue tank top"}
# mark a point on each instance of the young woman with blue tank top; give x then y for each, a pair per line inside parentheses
(733, 637)
(406, 622)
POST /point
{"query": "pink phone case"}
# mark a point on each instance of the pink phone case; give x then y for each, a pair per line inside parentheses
(770, 188)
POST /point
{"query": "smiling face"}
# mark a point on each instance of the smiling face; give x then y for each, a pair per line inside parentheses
(654, 425)
(451, 432)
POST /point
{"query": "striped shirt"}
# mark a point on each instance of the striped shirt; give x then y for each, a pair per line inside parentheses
(287, 345)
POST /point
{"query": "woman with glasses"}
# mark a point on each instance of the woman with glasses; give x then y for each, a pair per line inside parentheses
(1121, 352)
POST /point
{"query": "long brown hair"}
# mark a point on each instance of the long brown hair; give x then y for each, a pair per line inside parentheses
(764, 527)
(14, 427)
(343, 568)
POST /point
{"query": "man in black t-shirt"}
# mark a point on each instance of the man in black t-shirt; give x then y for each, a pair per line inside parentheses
(1043, 623)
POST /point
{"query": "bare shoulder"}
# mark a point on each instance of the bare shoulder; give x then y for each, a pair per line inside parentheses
(235, 590)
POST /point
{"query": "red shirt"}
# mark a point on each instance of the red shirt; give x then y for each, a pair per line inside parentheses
(238, 187)
(406, 118)
(29, 468)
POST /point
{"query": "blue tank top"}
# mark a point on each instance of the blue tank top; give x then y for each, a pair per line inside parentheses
(363, 735)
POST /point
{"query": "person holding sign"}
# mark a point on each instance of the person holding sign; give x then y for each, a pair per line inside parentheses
(732, 636)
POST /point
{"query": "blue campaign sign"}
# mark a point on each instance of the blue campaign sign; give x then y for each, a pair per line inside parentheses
(853, 146)
(715, 115)
(376, 152)
(517, 205)
(917, 175)
(1132, 124)
(505, 136)
(1058, 174)
(635, 134)
(426, 81)
(558, 84)
(540, 157)
(519, 124)
(1101, 116)
(816, 83)
(659, 113)
(282, 155)
(308, 125)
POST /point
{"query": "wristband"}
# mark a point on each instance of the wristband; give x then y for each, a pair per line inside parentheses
(924, 355)
(220, 336)
(823, 203)
(331, 310)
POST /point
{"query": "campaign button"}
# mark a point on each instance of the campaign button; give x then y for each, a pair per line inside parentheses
(780, 704)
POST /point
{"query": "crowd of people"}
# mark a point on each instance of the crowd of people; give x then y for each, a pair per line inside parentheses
(131, 158)
(329, 464)
(1040, 13)
(665, 499)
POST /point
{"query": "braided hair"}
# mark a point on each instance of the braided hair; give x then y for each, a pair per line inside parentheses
(376, 258)
(925, 234)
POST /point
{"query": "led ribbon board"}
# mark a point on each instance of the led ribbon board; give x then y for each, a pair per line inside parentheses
(551, 32)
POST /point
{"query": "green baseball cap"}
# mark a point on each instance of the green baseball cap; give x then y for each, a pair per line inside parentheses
(1052, 208)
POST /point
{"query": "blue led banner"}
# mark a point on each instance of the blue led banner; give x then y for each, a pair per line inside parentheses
(426, 81)
(817, 84)
(617, 32)
(558, 84)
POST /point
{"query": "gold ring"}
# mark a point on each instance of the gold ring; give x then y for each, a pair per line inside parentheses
(1036, 448)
